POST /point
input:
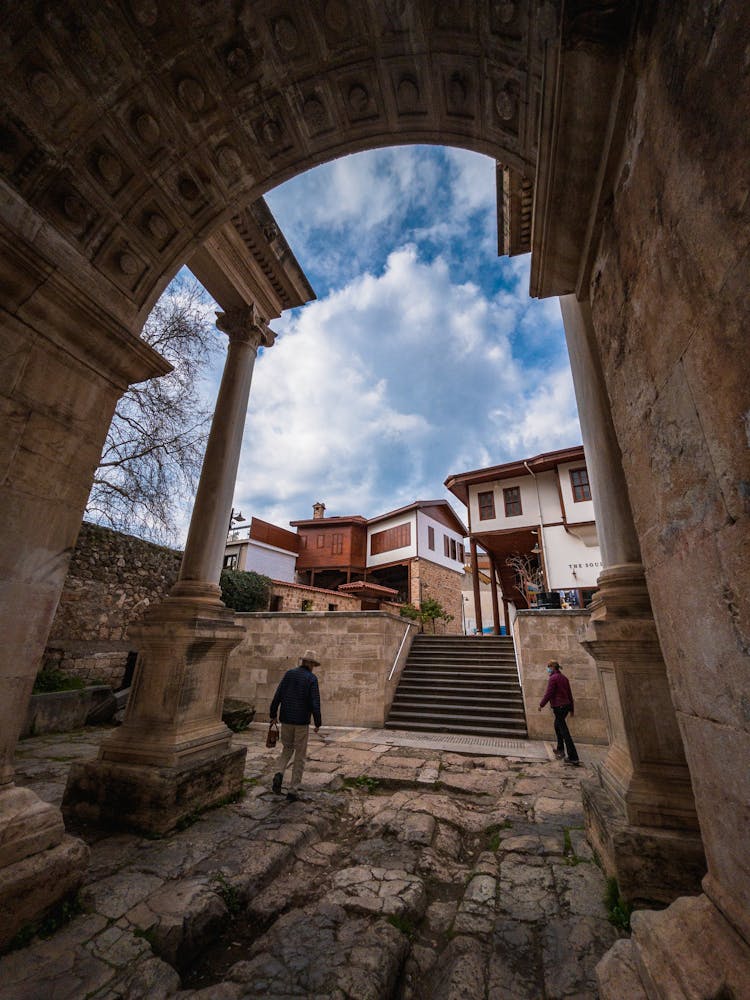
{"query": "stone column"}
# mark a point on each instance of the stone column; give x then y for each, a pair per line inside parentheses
(477, 591)
(56, 410)
(495, 602)
(640, 814)
(173, 754)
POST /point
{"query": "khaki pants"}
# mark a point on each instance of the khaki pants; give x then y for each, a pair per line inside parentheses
(294, 741)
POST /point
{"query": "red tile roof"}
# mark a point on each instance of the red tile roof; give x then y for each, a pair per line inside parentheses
(360, 587)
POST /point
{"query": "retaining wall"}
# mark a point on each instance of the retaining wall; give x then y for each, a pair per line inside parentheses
(356, 649)
(541, 636)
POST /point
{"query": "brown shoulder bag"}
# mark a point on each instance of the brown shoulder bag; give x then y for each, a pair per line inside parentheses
(273, 734)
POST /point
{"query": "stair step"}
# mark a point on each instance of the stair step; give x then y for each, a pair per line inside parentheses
(459, 727)
(468, 690)
(424, 710)
(463, 684)
(442, 718)
(466, 676)
(465, 697)
(462, 668)
(465, 687)
(465, 661)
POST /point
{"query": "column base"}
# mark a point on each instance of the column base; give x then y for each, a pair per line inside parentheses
(686, 952)
(28, 825)
(651, 864)
(149, 799)
(645, 770)
(31, 887)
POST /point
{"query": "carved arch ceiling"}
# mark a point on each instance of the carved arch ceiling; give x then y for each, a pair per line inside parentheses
(133, 128)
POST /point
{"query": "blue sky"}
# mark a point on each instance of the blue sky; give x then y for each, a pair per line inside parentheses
(423, 354)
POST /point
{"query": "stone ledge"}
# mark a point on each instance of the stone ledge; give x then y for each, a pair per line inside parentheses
(151, 800)
(688, 950)
(62, 711)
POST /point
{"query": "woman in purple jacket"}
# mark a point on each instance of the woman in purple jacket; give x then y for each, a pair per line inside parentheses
(560, 698)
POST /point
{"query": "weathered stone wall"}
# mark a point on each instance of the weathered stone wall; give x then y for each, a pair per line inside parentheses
(541, 636)
(113, 578)
(356, 651)
(430, 580)
(669, 295)
(292, 596)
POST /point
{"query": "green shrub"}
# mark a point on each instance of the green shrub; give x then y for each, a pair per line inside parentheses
(409, 611)
(56, 680)
(245, 591)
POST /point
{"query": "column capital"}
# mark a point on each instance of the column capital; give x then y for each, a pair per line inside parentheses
(246, 325)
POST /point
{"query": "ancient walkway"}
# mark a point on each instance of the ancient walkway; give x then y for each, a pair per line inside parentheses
(405, 872)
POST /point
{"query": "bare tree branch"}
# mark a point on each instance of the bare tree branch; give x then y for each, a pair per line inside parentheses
(152, 456)
(528, 573)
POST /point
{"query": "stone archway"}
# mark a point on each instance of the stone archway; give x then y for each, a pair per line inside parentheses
(132, 131)
(137, 129)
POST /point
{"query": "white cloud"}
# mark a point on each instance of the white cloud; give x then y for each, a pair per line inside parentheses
(416, 362)
(374, 394)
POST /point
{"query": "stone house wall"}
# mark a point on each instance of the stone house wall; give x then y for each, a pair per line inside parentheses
(357, 651)
(292, 595)
(430, 580)
(541, 636)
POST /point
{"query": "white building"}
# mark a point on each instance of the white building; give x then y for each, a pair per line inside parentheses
(263, 548)
(538, 509)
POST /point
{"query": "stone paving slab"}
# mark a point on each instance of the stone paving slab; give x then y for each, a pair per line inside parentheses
(493, 746)
(437, 873)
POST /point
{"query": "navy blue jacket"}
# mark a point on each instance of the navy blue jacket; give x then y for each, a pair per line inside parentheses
(299, 697)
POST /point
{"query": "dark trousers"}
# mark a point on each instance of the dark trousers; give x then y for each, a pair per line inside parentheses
(563, 733)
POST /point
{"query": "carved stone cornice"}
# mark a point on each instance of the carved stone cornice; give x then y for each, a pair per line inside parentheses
(244, 324)
(581, 116)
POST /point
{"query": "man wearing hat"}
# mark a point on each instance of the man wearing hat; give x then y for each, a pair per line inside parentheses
(299, 698)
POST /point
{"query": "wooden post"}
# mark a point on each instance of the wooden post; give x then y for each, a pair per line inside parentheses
(495, 603)
(477, 595)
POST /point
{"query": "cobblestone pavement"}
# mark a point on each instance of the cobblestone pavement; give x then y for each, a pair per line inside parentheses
(402, 873)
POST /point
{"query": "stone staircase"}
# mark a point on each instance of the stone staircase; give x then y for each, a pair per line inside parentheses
(460, 684)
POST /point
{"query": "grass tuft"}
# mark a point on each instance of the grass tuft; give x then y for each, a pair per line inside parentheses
(60, 915)
(618, 909)
(402, 924)
(363, 782)
(224, 888)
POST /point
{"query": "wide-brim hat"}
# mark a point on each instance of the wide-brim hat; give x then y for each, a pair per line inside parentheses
(310, 656)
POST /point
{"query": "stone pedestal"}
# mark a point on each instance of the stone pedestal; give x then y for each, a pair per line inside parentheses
(33, 886)
(686, 952)
(39, 865)
(641, 815)
(149, 799)
(172, 756)
(651, 865)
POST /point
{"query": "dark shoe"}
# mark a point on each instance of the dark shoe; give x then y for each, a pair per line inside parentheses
(558, 753)
(572, 763)
(276, 783)
(292, 797)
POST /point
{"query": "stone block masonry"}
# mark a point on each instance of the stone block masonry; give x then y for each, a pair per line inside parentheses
(444, 585)
(357, 651)
(541, 636)
(113, 578)
(294, 595)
